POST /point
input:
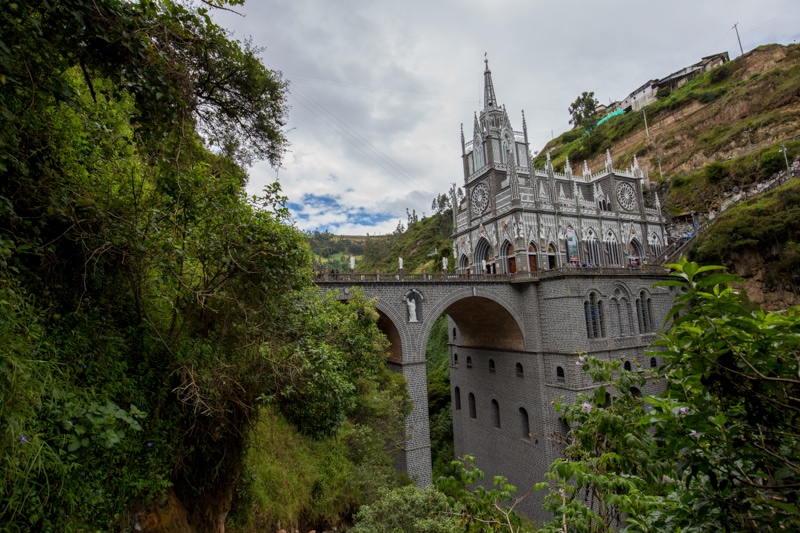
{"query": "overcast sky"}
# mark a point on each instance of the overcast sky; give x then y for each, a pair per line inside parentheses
(379, 89)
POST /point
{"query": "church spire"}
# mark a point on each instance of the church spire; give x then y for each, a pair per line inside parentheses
(489, 99)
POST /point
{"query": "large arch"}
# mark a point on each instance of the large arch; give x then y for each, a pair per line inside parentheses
(483, 320)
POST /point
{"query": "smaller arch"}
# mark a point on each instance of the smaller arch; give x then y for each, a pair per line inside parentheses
(495, 414)
(520, 371)
(627, 366)
(560, 374)
(457, 398)
(636, 392)
(533, 260)
(471, 401)
(552, 252)
(463, 264)
(455, 359)
(524, 423)
(469, 361)
(635, 252)
(492, 367)
(454, 334)
(653, 362)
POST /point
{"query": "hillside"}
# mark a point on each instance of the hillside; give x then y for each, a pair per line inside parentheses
(745, 105)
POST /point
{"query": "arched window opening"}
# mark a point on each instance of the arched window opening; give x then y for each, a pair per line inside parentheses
(520, 371)
(471, 401)
(640, 316)
(551, 256)
(592, 249)
(636, 392)
(455, 359)
(469, 361)
(495, 414)
(491, 366)
(644, 312)
(524, 423)
(653, 362)
(612, 250)
(560, 374)
(457, 398)
(593, 314)
(533, 261)
(655, 245)
(509, 258)
(454, 334)
(627, 366)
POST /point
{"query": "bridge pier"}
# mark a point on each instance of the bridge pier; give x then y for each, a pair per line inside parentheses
(415, 457)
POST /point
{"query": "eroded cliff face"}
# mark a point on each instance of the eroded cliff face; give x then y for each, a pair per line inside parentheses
(753, 265)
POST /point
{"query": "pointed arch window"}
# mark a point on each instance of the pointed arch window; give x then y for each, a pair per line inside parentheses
(592, 249)
(655, 245)
(471, 402)
(492, 368)
(560, 374)
(644, 312)
(612, 249)
(533, 260)
(520, 371)
(469, 361)
(593, 313)
(457, 398)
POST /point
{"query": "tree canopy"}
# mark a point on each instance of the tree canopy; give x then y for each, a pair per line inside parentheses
(584, 110)
(148, 306)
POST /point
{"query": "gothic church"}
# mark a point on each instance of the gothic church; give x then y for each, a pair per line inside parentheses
(518, 218)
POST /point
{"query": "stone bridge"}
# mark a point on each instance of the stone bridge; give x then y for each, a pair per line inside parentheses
(518, 338)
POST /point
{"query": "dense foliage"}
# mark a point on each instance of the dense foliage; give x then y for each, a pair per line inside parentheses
(437, 357)
(718, 450)
(147, 305)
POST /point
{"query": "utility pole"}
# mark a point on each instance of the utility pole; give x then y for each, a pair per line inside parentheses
(736, 27)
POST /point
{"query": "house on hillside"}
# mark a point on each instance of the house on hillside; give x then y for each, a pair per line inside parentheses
(646, 94)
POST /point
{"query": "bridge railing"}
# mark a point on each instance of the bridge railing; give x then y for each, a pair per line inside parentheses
(489, 278)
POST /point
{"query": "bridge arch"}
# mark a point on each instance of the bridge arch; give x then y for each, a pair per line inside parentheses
(484, 319)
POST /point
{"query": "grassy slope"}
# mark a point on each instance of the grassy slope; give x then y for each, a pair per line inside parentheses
(707, 119)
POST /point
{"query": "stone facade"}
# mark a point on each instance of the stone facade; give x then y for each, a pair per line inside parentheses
(518, 218)
(508, 339)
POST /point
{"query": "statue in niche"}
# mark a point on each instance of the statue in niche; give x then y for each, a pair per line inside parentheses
(411, 303)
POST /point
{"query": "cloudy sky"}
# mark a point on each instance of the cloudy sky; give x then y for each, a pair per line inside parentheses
(379, 89)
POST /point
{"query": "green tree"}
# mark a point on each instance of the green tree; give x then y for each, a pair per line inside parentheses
(584, 110)
(716, 451)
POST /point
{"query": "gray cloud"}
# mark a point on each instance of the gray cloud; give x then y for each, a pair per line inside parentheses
(379, 89)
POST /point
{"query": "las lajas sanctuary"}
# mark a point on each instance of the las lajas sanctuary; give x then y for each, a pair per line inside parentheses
(523, 302)
(591, 242)
(518, 218)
